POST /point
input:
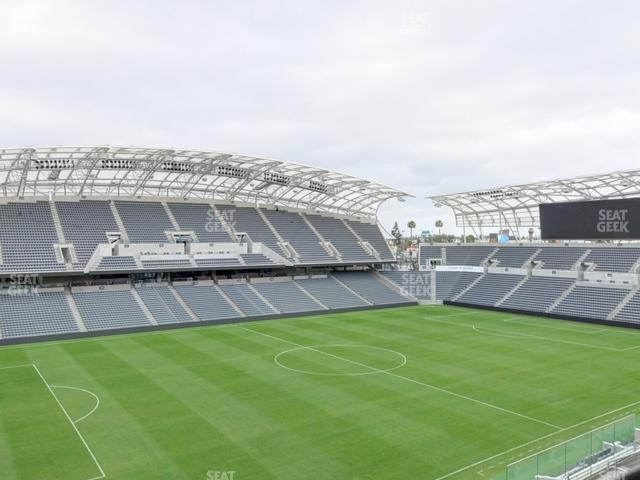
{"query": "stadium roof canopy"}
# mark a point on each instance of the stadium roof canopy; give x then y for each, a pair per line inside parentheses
(516, 206)
(185, 174)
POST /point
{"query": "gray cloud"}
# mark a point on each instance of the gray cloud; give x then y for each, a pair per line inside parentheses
(429, 97)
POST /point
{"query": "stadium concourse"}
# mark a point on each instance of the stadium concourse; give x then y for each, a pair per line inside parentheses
(179, 237)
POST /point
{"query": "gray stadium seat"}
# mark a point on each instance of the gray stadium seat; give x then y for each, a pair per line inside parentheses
(163, 305)
(331, 293)
(206, 302)
(27, 315)
(371, 288)
(108, 309)
(490, 289)
(145, 222)
(287, 297)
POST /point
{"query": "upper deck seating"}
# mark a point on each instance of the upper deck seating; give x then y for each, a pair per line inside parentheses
(122, 263)
(247, 220)
(334, 231)
(294, 229)
(428, 252)
(371, 233)
(613, 259)
(201, 219)
(559, 258)
(85, 224)
(145, 222)
(512, 257)
(468, 255)
(27, 238)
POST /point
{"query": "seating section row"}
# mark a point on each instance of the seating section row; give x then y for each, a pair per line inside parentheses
(40, 312)
(556, 296)
(31, 233)
(536, 294)
(593, 258)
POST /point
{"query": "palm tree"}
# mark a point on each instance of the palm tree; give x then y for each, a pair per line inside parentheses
(439, 225)
(411, 225)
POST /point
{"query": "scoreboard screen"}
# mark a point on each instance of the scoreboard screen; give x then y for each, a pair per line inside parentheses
(591, 220)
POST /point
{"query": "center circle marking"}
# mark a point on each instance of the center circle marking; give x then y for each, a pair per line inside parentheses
(316, 348)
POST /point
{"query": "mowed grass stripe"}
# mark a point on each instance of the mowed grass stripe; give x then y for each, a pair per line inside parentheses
(575, 395)
(8, 465)
(292, 339)
(117, 438)
(374, 426)
(541, 330)
(185, 437)
(448, 369)
(451, 421)
(407, 420)
(570, 409)
(511, 373)
(317, 409)
(236, 413)
(43, 444)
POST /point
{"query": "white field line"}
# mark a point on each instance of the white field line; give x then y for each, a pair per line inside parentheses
(526, 444)
(452, 315)
(490, 331)
(529, 324)
(17, 366)
(417, 382)
(84, 442)
(314, 347)
(84, 391)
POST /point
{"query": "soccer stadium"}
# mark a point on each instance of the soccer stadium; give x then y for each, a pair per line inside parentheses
(194, 314)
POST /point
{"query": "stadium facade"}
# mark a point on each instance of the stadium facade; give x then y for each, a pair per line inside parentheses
(175, 238)
(106, 239)
(580, 280)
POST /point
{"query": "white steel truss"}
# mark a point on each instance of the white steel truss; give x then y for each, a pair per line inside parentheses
(152, 172)
(516, 206)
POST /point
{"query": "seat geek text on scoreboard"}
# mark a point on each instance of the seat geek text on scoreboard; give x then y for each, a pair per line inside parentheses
(591, 220)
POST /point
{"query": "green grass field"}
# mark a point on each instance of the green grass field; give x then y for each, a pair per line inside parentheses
(407, 393)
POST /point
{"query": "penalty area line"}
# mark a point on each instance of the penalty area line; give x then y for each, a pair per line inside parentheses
(510, 334)
(78, 389)
(84, 442)
(30, 365)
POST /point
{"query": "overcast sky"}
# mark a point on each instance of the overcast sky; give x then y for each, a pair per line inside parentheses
(429, 97)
